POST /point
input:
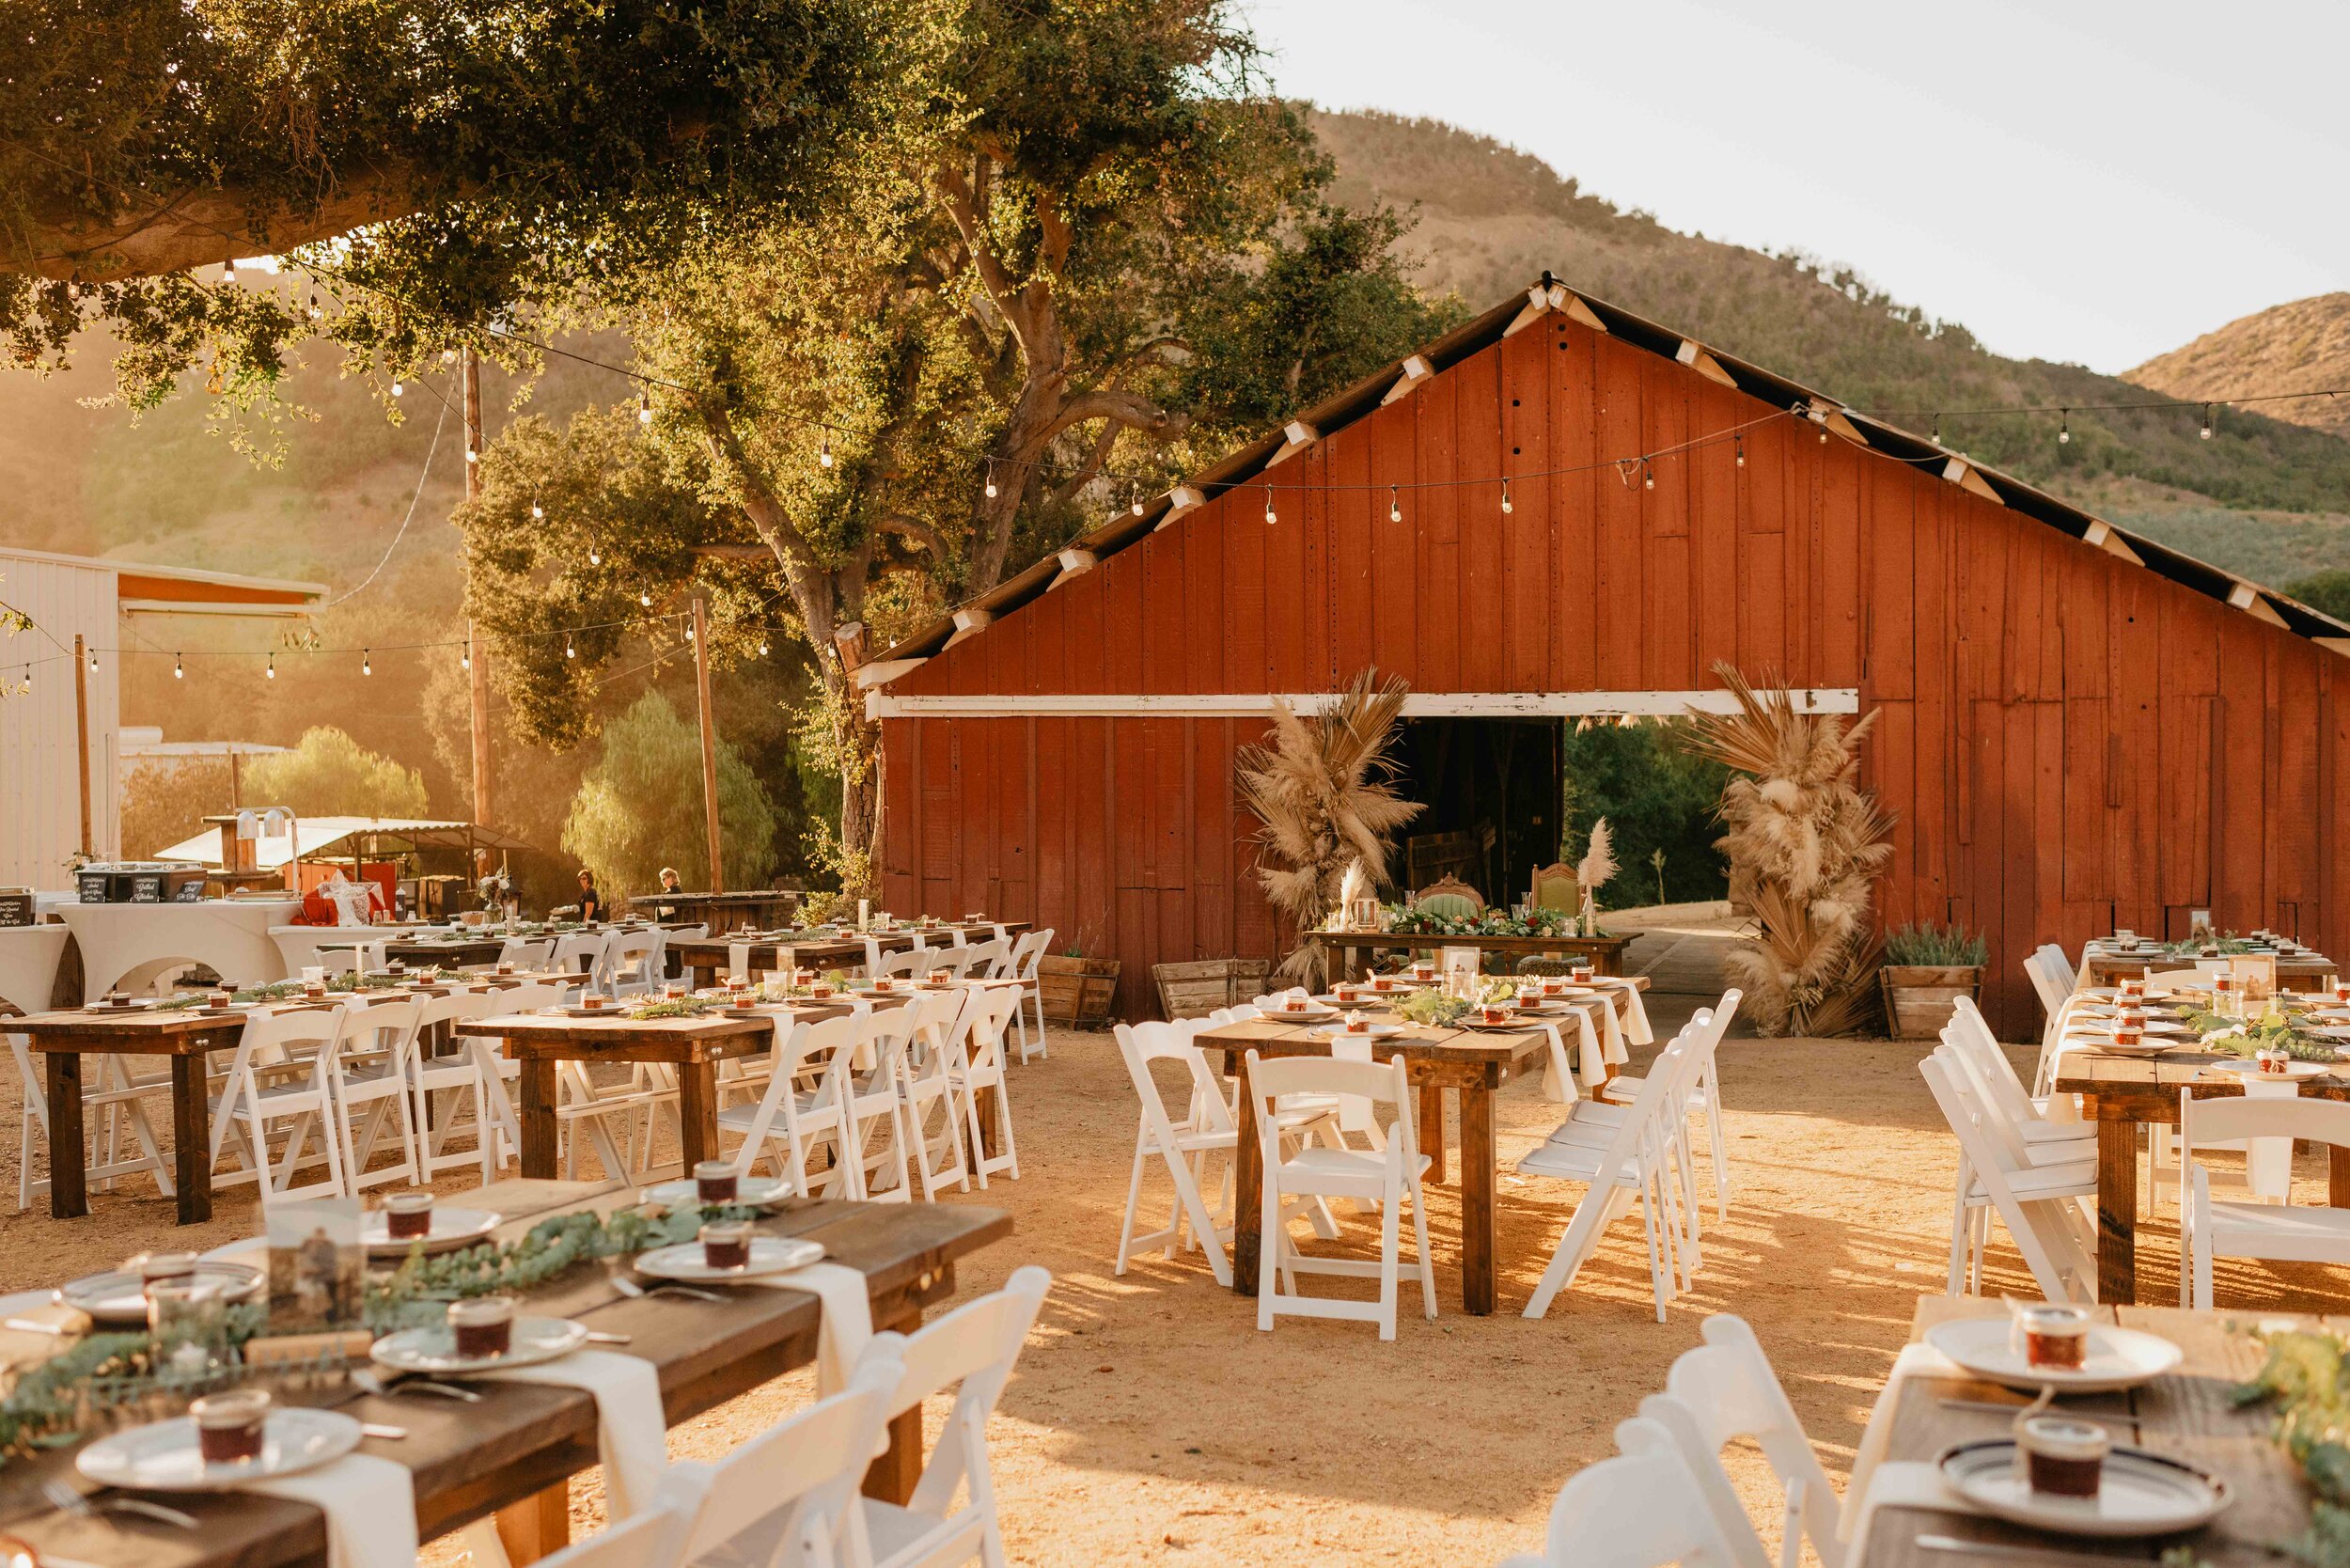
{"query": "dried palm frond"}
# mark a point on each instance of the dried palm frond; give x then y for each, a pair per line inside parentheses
(1805, 844)
(1599, 858)
(1325, 802)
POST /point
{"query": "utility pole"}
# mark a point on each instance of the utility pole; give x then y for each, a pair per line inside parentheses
(481, 792)
(81, 727)
(709, 743)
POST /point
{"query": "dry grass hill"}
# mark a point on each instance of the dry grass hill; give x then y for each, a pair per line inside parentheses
(2298, 347)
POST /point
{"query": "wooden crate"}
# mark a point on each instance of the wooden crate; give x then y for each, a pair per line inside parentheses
(1077, 991)
(1918, 997)
(1195, 989)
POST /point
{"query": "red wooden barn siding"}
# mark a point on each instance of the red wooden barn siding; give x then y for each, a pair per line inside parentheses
(2069, 741)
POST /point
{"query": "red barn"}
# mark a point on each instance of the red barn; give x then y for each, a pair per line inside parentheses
(1562, 509)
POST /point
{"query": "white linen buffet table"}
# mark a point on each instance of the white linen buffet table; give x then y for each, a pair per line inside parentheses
(29, 956)
(129, 944)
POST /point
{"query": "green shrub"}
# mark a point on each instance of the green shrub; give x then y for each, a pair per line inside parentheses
(1934, 946)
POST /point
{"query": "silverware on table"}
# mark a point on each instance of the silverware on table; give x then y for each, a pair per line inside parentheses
(33, 1326)
(62, 1496)
(377, 1429)
(635, 1292)
(598, 1336)
(373, 1382)
(1999, 1407)
(2002, 1551)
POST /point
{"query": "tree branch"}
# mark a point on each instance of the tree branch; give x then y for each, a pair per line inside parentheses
(966, 203)
(1128, 410)
(916, 529)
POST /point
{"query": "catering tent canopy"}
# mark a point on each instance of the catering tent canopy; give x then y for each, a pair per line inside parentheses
(334, 837)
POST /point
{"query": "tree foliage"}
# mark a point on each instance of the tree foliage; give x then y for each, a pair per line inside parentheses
(641, 808)
(330, 775)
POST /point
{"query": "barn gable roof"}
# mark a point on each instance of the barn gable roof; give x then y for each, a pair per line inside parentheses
(1548, 295)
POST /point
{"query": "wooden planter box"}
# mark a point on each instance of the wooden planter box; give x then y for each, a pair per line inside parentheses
(1918, 997)
(1077, 990)
(1195, 989)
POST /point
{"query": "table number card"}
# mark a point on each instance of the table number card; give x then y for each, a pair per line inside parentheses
(317, 1266)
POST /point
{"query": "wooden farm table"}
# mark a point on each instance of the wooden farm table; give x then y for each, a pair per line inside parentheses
(1352, 948)
(412, 950)
(2118, 1093)
(1475, 1062)
(2187, 1415)
(725, 911)
(2102, 964)
(510, 1453)
(693, 1046)
(707, 960)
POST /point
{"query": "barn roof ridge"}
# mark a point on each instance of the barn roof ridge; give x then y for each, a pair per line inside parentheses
(1335, 413)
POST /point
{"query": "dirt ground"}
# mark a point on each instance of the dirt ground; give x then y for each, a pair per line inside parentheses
(1150, 1421)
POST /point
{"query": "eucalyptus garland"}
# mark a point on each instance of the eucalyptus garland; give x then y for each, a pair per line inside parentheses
(2307, 1379)
(1415, 922)
(2247, 1037)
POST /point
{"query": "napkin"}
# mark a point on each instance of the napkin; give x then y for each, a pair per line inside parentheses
(370, 1504)
(1558, 1076)
(739, 961)
(1635, 1012)
(1903, 1484)
(632, 1431)
(21, 1348)
(847, 1324)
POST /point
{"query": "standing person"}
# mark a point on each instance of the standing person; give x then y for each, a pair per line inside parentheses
(671, 883)
(591, 901)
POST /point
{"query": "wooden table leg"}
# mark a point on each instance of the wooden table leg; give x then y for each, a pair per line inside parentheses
(537, 1118)
(705, 976)
(1432, 1129)
(538, 1525)
(69, 1179)
(1247, 1197)
(697, 1111)
(892, 1477)
(990, 1128)
(1477, 1199)
(190, 1138)
(2117, 1213)
(2338, 1176)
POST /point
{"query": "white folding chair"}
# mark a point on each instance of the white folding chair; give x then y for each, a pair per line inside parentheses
(796, 1118)
(456, 1074)
(1027, 955)
(1642, 1509)
(875, 1099)
(972, 1350)
(632, 963)
(113, 1097)
(787, 1497)
(1391, 1177)
(980, 1060)
(1731, 1392)
(1704, 1101)
(930, 1084)
(2046, 1142)
(989, 960)
(283, 1081)
(581, 953)
(2283, 1231)
(373, 1080)
(527, 955)
(1181, 1144)
(651, 1538)
(2035, 1201)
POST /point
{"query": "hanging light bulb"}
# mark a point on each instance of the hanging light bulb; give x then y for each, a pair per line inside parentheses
(366, 662)
(315, 314)
(1269, 518)
(1822, 435)
(2064, 426)
(2207, 421)
(595, 557)
(537, 512)
(464, 659)
(228, 271)
(1648, 476)
(1505, 506)
(1136, 506)
(448, 357)
(823, 451)
(472, 456)
(93, 661)
(644, 408)
(762, 650)
(1938, 430)
(644, 598)
(271, 671)
(569, 651)
(1741, 441)
(397, 390)
(689, 631)
(990, 479)
(1395, 504)
(177, 673)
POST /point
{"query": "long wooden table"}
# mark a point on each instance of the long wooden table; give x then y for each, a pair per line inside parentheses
(707, 960)
(1606, 952)
(693, 1046)
(2122, 1093)
(724, 911)
(509, 1455)
(2187, 1415)
(1474, 1062)
(2102, 963)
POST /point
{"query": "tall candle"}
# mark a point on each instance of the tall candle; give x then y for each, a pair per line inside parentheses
(864, 913)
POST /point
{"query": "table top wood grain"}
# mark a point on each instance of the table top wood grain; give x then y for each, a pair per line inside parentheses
(471, 1459)
(2146, 1089)
(1438, 1055)
(2189, 1414)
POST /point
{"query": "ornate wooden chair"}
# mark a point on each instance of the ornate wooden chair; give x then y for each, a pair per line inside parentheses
(1449, 895)
(1555, 887)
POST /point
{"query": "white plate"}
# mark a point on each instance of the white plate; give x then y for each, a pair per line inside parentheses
(769, 1255)
(756, 1192)
(1301, 1015)
(1339, 1032)
(2293, 1069)
(164, 1457)
(2154, 1048)
(433, 1349)
(2139, 1494)
(451, 1228)
(2115, 1358)
(118, 1297)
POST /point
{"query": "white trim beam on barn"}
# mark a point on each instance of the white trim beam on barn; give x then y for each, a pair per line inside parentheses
(885, 705)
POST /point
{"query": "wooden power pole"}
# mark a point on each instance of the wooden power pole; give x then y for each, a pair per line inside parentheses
(81, 726)
(482, 802)
(709, 743)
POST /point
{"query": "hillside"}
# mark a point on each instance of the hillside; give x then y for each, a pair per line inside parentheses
(1490, 218)
(2296, 347)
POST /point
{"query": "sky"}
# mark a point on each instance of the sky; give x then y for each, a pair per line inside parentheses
(2073, 179)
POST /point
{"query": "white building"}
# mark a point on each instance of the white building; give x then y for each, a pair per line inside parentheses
(43, 760)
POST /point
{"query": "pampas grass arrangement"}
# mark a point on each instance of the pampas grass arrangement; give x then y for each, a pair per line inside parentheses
(1805, 844)
(1322, 792)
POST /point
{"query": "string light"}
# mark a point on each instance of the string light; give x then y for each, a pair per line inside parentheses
(644, 408)
(2207, 421)
(177, 673)
(228, 271)
(397, 390)
(569, 651)
(823, 450)
(1506, 507)
(537, 512)
(315, 314)
(762, 650)
(448, 357)
(93, 661)
(595, 557)
(689, 631)
(645, 598)
(1269, 518)
(1741, 445)
(271, 671)
(1938, 430)
(2064, 426)
(464, 659)
(472, 456)
(1648, 475)
(1136, 506)
(990, 479)
(1395, 504)
(366, 662)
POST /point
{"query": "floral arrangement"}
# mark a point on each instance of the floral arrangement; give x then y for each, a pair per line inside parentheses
(1415, 922)
(674, 1006)
(276, 991)
(2247, 1037)
(1430, 1008)
(2306, 1378)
